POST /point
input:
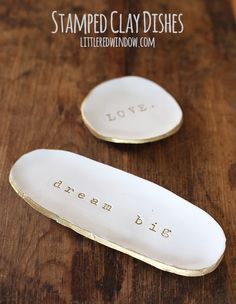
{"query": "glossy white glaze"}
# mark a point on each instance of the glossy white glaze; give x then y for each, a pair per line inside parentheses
(143, 219)
(131, 110)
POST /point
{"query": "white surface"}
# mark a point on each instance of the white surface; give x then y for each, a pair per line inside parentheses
(131, 108)
(196, 240)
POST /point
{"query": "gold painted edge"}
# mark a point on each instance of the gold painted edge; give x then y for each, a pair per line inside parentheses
(126, 141)
(90, 235)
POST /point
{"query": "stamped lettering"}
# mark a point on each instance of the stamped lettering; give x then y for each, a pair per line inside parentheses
(131, 110)
(82, 196)
(107, 207)
(166, 232)
(154, 227)
(139, 221)
(69, 190)
(96, 202)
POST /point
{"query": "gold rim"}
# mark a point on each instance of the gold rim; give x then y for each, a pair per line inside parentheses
(121, 140)
(155, 263)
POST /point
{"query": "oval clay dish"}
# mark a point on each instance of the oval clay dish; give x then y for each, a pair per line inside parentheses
(132, 110)
(120, 210)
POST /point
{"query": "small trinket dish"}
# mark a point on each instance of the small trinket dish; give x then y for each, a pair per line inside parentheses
(131, 109)
(120, 210)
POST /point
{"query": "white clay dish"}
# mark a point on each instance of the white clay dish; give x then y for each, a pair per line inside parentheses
(131, 109)
(120, 210)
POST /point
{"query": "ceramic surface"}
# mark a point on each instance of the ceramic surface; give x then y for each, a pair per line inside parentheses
(131, 110)
(120, 210)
